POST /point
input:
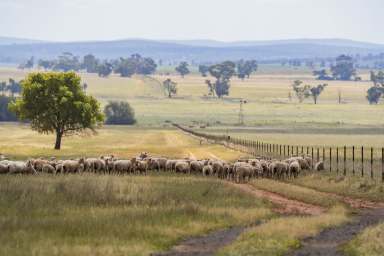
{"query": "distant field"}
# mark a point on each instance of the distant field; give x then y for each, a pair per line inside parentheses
(318, 137)
(18, 141)
(266, 92)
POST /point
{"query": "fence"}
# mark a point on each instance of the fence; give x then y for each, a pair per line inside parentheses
(356, 161)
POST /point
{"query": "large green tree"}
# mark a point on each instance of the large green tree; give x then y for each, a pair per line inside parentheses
(55, 103)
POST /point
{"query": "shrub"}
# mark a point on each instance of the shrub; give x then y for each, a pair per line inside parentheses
(119, 113)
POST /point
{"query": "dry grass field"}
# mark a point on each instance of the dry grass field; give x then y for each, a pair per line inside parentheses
(266, 93)
(112, 215)
(20, 142)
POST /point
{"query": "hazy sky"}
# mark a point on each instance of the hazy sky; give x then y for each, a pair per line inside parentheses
(227, 20)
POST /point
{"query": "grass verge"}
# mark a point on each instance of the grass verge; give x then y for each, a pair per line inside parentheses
(279, 236)
(368, 243)
(104, 215)
(356, 187)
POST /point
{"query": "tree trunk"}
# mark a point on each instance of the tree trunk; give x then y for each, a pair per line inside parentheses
(59, 135)
(315, 98)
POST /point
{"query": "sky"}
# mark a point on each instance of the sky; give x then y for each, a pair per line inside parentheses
(224, 20)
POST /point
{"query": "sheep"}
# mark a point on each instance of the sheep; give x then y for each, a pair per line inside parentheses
(196, 166)
(207, 170)
(96, 165)
(141, 166)
(294, 169)
(182, 166)
(170, 165)
(39, 163)
(73, 166)
(242, 171)
(17, 167)
(122, 166)
(4, 167)
(48, 168)
(319, 166)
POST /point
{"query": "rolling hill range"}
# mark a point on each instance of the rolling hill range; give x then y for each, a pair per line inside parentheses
(18, 50)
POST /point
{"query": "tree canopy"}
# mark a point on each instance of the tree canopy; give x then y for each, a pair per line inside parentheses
(135, 64)
(376, 92)
(246, 68)
(203, 69)
(344, 68)
(119, 113)
(304, 91)
(223, 73)
(55, 103)
(183, 69)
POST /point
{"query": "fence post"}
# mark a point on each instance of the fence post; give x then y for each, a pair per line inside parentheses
(345, 160)
(353, 160)
(371, 162)
(297, 150)
(307, 150)
(312, 158)
(330, 159)
(288, 150)
(284, 150)
(302, 149)
(362, 161)
(382, 164)
(317, 153)
(337, 160)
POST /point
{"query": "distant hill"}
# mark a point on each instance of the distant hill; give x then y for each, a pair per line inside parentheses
(17, 50)
(12, 40)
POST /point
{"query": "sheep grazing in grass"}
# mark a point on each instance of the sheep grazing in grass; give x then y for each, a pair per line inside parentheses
(240, 171)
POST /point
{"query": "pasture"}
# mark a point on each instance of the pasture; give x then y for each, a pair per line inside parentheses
(266, 93)
(137, 215)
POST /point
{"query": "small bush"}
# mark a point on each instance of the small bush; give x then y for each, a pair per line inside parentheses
(119, 113)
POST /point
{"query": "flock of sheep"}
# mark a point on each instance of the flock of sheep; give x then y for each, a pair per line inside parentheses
(240, 171)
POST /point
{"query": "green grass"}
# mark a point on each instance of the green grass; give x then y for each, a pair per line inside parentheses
(101, 215)
(295, 192)
(355, 187)
(279, 236)
(368, 243)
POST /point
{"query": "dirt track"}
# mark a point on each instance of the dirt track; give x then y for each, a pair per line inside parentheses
(204, 245)
(328, 242)
(284, 205)
(212, 242)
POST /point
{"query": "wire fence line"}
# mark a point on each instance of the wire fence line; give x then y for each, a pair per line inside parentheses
(356, 161)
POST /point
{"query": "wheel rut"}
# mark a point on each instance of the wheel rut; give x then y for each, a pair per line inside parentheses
(329, 241)
(209, 244)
